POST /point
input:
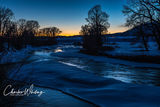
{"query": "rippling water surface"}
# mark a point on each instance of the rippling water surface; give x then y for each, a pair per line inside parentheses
(122, 72)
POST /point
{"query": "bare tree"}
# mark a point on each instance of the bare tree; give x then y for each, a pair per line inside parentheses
(5, 17)
(27, 27)
(85, 30)
(51, 31)
(97, 25)
(21, 26)
(55, 31)
(98, 20)
(32, 26)
(11, 34)
(11, 30)
(139, 12)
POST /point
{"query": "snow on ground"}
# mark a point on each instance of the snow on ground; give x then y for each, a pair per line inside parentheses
(129, 49)
(87, 86)
(124, 45)
(14, 56)
(128, 46)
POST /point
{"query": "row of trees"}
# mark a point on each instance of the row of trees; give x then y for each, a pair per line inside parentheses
(144, 13)
(19, 33)
(50, 31)
(97, 25)
(8, 27)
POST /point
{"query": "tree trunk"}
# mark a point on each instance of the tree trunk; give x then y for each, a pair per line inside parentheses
(145, 43)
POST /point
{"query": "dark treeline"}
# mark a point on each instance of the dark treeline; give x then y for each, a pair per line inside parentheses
(19, 34)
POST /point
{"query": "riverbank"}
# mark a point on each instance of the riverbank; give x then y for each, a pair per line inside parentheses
(145, 58)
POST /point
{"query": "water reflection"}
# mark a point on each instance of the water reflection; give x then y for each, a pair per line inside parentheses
(58, 50)
(47, 53)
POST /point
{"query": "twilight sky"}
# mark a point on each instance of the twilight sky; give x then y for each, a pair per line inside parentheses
(68, 15)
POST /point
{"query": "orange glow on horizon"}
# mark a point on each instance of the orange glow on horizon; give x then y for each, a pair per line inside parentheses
(71, 31)
(63, 34)
(111, 31)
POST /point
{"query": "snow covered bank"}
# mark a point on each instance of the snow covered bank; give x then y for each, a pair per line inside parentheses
(133, 49)
(14, 56)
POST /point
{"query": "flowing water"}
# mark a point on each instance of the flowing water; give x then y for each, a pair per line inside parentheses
(69, 55)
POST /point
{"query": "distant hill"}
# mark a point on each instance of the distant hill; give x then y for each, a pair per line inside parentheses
(147, 29)
(131, 34)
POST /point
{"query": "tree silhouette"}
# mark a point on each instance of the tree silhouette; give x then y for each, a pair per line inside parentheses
(50, 31)
(98, 20)
(19, 34)
(32, 26)
(21, 23)
(140, 12)
(97, 25)
(5, 17)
